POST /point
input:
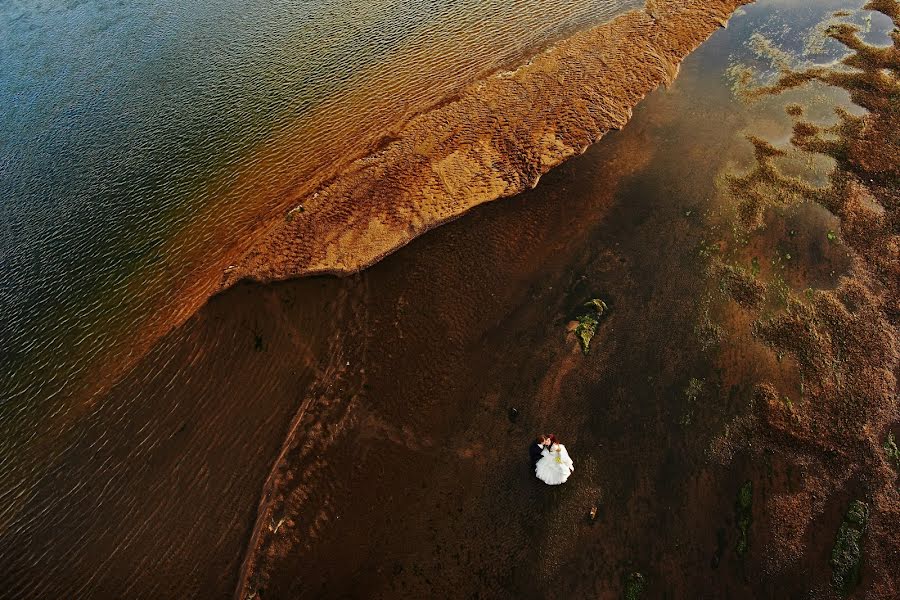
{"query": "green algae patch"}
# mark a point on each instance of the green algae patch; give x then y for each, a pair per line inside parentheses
(588, 323)
(891, 450)
(744, 513)
(598, 305)
(635, 586)
(846, 555)
(587, 327)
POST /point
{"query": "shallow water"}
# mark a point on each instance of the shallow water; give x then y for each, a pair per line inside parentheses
(403, 479)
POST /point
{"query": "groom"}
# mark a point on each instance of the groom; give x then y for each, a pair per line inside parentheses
(534, 451)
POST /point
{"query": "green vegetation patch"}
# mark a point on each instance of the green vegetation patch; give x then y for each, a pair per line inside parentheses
(846, 555)
(588, 322)
(587, 327)
(598, 305)
(890, 448)
(744, 513)
(635, 586)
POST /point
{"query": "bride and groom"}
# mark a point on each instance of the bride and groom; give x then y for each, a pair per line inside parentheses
(551, 461)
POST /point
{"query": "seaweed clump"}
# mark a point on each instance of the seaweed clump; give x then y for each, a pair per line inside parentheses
(846, 555)
(744, 513)
(891, 450)
(588, 322)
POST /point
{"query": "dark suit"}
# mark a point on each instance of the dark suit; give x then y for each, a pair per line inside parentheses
(535, 452)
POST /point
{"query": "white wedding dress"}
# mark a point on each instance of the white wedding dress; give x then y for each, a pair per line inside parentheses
(555, 465)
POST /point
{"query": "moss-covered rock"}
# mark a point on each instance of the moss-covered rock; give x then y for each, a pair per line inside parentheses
(846, 555)
(598, 305)
(744, 514)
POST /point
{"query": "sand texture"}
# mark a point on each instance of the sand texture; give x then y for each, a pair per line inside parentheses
(495, 140)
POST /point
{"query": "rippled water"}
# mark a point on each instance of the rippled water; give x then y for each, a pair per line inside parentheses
(140, 143)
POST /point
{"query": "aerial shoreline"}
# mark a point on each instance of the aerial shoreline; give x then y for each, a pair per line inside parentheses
(362, 434)
(496, 140)
(329, 232)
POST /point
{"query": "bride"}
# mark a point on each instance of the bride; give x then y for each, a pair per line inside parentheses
(555, 466)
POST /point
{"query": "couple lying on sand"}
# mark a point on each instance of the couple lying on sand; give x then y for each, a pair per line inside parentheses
(552, 464)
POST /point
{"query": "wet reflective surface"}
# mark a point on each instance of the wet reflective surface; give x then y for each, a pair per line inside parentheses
(351, 437)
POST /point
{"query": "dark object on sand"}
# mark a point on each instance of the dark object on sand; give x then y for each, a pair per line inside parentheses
(513, 414)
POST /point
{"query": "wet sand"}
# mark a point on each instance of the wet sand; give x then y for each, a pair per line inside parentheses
(352, 437)
(844, 337)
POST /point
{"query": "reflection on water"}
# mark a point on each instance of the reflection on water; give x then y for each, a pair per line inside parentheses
(140, 142)
(369, 415)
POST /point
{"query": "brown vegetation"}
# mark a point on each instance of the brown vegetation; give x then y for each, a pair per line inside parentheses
(845, 341)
